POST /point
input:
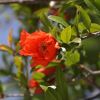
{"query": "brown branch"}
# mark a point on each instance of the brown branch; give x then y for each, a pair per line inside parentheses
(24, 1)
(96, 34)
(15, 1)
(13, 95)
(89, 70)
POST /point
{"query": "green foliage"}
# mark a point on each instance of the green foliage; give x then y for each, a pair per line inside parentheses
(94, 27)
(7, 49)
(61, 92)
(18, 61)
(38, 75)
(66, 34)
(91, 5)
(85, 17)
(97, 3)
(58, 19)
(72, 57)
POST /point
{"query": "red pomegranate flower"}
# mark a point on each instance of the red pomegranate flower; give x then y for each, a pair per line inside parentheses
(40, 45)
(32, 83)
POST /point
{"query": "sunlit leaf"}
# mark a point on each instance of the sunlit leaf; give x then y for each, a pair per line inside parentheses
(76, 40)
(44, 87)
(38, 75)
(94, 27)
(6, 48)
(72, 58)
(81, 27)
(66, 34)
(58, 19)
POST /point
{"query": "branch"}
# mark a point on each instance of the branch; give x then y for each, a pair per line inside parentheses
(96, 34)
(13, 95)
(89, 70)
(95, 94)
(23, 1)
(15, 1)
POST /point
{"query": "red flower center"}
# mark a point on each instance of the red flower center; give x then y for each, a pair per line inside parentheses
(43, 49)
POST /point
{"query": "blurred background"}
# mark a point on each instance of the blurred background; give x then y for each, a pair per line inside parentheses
(14, 16)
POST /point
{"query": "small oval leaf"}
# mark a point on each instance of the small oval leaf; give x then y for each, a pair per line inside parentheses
(66, 34)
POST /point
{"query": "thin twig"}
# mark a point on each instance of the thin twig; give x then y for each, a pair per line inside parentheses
(23, 1)
(89, 70)
(97, 34)
(13, 95)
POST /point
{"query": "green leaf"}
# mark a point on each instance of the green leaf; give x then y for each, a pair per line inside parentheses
(44, 87)
(38, 75)
(52, 64)
(66, 34)
(72, 58)
(85, 17)
(81, 27)
(6, 48)
(73, 31)
(18, 61)
(76, 40)
(94, 27)
(54, 31)
(91, 6)
(58, 19)
(41, 11)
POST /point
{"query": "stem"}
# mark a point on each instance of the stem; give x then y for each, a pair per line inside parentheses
(89, 70)
(23, 1)
(97, 34)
